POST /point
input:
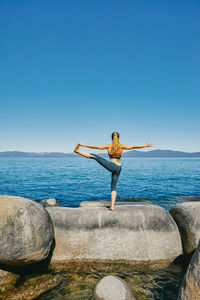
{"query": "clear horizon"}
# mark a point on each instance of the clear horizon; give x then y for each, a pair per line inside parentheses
(77, 71)
(98, 151)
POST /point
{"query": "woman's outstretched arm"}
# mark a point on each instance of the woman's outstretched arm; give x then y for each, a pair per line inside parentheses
(125, 147)
(100, 147)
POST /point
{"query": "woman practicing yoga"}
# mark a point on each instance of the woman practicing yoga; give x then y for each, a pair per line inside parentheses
(114, 166)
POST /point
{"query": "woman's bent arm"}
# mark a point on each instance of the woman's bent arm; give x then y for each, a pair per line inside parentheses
(100, 147)
(125, 147)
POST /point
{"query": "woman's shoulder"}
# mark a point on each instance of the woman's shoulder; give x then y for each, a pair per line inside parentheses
(122, 146)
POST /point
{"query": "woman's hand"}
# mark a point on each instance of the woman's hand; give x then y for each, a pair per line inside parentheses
(149, 144)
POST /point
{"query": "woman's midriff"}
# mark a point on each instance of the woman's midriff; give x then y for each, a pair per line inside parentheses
(116, 161)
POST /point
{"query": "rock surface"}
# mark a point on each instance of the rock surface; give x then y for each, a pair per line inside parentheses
(190, 287)
(104, 203)
(49, 202)
(190, 198)
(7, 281)
(141, 233)
(32, 288)
(187, 217)
(113, 287)
(26, 231)
(93, 204)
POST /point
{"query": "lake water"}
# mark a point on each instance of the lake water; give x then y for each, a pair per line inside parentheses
(74, 179)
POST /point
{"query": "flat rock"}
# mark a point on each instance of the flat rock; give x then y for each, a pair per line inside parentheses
(187, 217)
(190, 198)
(190, 287)
(105, 203)
(94, 204)
(139, 233)
(113, 287)
(7, 281)
(26, 231)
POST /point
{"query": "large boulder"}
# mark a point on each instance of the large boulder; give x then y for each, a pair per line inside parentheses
(26, 231)
(190, 287)
(187, 217)
(140, 233)
(113, 287)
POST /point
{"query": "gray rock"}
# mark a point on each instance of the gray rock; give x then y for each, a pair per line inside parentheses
(187, 217)
(139, 233)
(26, 231)
(190, 287)
(190, 198)
(105, 203)
(49, 202)
(113, 287)
(93, 204)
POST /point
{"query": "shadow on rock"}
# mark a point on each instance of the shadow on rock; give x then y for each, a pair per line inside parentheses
(183, 260)
(35, 268)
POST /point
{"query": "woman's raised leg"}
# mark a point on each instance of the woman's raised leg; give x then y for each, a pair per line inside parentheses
(103, 162)
(85, 154)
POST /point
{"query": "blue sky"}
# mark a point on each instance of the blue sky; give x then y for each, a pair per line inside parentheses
(74, 71)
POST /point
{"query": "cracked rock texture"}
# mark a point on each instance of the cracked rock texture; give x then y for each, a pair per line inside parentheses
(26, 231)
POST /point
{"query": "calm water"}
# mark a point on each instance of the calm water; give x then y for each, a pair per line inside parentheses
(71, 180)
(79, 281)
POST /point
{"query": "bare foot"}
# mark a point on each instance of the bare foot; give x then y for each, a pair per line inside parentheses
(111, 208)
(77, 148)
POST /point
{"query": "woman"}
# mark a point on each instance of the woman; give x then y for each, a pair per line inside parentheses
(114, 166)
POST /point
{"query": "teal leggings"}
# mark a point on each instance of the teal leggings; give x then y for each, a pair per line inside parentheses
(110, 166)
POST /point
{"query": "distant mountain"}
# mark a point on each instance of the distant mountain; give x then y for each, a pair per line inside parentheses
(33, 154)
(131, 153)
(160, 153)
